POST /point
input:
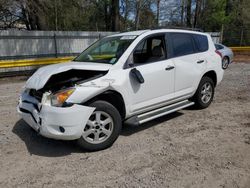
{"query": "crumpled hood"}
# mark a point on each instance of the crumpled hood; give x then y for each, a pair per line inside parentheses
(42, 75)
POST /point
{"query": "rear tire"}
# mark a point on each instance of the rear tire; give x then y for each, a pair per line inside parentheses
(102, 128)
(204, 94)
(225, 62)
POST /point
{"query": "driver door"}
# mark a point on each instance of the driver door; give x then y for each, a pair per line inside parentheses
(150, 59)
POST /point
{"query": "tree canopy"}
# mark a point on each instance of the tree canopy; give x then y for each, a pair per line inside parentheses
(230, 16)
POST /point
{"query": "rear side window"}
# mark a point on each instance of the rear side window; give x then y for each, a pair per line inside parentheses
(182, 44)
(201, 42)
(218, 47)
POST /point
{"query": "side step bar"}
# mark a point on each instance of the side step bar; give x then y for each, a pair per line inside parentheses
(145, 117)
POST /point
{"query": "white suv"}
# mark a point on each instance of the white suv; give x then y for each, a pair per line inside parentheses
(130, 77)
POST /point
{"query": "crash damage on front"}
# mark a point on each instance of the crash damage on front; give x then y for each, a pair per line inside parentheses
(51, 102)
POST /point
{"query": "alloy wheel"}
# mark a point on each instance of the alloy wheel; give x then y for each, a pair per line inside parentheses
(225, 63)
(206, 92)
(98, 128)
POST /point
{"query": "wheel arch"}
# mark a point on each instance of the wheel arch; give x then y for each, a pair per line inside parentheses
(226, 56)
(211, 74)
(114, 98)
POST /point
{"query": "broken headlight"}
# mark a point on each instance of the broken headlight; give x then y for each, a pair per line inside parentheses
(58, 98)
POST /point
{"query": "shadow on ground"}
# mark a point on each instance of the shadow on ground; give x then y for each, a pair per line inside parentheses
(132, 129)
(38, 145)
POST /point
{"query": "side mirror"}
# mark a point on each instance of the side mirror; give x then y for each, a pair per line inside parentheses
(137, 75)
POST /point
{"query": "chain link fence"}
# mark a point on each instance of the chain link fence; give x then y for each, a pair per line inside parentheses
(236, 36)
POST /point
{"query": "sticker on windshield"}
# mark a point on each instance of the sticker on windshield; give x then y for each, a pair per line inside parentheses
(128, 37)
(112, 61)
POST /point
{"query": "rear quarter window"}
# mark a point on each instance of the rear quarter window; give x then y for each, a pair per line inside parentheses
(182, 44)
(201, 42)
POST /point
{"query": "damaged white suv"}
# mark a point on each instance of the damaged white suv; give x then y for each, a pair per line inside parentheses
(131, 77)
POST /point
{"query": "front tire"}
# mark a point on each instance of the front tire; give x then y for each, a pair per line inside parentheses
(102, 128)
(204, 94)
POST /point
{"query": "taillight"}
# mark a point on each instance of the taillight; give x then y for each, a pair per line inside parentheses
(218, 53)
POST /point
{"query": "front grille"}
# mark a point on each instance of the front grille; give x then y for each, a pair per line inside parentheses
(36, 94)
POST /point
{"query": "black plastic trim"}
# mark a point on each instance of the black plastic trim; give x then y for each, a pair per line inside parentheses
(28, 112)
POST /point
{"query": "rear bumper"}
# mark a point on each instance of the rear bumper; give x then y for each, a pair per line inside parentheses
(62, 123)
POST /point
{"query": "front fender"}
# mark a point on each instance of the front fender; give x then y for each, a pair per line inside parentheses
(84, 93)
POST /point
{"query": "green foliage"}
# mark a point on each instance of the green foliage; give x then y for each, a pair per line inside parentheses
(237, 29)
(77, 16)
(213, 15)
(123, 15)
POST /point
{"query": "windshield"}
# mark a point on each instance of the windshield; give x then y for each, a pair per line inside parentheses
(107, 50)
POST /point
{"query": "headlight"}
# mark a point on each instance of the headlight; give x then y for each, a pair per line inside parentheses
(58, 98)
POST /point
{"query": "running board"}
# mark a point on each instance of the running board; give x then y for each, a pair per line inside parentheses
(148, 116)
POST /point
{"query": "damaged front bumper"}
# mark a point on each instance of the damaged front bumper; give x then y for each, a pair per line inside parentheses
(62, 123)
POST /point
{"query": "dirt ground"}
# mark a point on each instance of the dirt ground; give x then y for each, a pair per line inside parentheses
(190, 148)
(242, 57)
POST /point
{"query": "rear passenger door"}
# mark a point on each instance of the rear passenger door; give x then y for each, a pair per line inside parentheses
(189, 60)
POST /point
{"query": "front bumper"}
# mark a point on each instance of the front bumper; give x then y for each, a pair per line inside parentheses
(62, 123)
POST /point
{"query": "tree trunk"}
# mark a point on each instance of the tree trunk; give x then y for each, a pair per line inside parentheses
(137, 14)
(197, 12)
(182, 11)
(25, 17)
(41, 22)
(106, 20)
(115, 15)
(158, 12)
(189, 4)
(125, 14)
(56, 15)
(34, 11)
(32, 21)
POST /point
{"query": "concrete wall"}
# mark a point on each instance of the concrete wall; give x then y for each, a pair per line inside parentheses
(35, 44)
(22, 45)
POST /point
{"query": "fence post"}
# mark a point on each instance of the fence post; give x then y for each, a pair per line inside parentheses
(221, 33)
(241, 36)
(55, 42)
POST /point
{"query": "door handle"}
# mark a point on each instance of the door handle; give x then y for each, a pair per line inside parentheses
(169, 68)
(200, 61)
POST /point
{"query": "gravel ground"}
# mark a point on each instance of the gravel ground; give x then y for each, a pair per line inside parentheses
(190, 148)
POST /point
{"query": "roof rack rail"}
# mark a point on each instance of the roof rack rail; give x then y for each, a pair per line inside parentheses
(178, 27)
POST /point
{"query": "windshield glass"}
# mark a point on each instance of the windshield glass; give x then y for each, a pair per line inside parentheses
(107, 50)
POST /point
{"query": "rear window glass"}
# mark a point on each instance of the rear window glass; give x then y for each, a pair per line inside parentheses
(201, 42)
(182, 44)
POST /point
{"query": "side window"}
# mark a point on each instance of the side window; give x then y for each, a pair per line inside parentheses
(201, 42)
(218, 47)
(155, 42)
(151, 49)
(141, 48)
(182, 44)
(221, 47)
